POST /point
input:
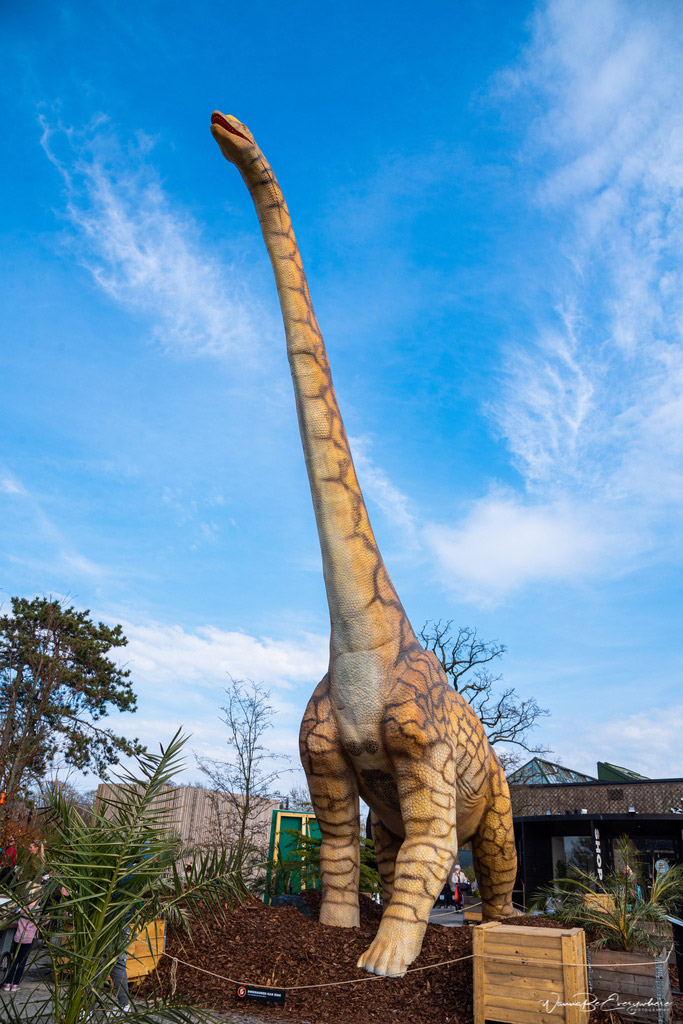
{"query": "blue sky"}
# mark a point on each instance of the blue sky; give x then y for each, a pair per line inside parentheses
(488, 203)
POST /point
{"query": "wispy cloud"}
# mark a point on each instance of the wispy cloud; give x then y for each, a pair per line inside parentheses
(377, 486)
(53, 551)
(609, 385)
(144, 250)
(10, 485)
(592, 409)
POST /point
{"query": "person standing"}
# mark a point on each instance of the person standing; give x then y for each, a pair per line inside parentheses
(459, 884)
(34, 867)
(24, 935)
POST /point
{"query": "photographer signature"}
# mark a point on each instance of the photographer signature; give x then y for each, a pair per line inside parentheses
(589, 1001)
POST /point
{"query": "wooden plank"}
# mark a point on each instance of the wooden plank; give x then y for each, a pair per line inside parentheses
(512, 1015)
(522, 972)
(524, 951)
(642, 970)
(574, 976)
(540, 980)
(532, 1007)
(570, 980)
(512, 933)
(610, 956)
(478, 974)
(535, 991)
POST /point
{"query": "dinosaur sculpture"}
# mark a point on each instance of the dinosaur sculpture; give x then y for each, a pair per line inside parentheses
(383, 723)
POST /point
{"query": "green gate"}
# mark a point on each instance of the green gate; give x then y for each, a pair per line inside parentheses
(294, 838)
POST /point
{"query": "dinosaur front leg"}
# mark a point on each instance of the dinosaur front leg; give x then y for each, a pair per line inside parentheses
(422, 864)
(334, 795)
(386, 846)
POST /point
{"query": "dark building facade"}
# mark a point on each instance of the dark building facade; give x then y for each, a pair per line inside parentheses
(565, 823)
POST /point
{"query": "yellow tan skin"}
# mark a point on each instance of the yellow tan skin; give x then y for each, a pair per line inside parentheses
(383, 724)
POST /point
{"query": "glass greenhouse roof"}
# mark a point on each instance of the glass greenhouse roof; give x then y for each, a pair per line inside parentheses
(540, 772)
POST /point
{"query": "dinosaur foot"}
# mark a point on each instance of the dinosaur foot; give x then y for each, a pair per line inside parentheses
(339, 915)
(392, 951)
(497, 911)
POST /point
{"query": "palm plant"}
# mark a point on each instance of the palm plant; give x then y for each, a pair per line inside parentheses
(612, 911)
(110, 876)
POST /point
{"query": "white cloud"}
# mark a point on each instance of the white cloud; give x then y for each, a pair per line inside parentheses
(647, 741)
(503, 544)
(180, 677)
(163, 656)
(145, 251)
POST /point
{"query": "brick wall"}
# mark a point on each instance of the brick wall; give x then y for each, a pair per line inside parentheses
(651, 797)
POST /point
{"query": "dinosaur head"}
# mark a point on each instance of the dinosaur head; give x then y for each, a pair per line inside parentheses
(233, 137)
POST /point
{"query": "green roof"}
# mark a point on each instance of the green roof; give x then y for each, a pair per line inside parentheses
(614, 773)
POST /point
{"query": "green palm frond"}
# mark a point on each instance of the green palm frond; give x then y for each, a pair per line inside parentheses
(115, 873)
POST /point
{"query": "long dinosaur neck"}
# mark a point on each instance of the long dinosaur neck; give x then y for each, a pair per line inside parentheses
(365, 610)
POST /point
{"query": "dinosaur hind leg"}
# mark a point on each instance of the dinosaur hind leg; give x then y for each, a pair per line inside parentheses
(495, 856)
(386, 846)
(334, 795)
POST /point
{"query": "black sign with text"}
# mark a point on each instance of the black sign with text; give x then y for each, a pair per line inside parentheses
(265, 995)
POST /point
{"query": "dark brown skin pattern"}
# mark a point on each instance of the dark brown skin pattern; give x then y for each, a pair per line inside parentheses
(383, 724)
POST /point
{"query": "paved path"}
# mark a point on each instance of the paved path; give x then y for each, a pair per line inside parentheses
(448, 917)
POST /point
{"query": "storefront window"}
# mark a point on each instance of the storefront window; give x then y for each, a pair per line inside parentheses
(654, 856)
(578, 850)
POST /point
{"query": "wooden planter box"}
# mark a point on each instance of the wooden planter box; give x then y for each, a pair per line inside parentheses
(525, 975)
(601, 900)
(145, 950)
(631, 984)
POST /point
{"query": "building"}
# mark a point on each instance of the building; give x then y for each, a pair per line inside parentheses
(201, 817)
(559, 822)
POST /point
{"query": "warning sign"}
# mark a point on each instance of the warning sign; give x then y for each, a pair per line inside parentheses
(266, 995)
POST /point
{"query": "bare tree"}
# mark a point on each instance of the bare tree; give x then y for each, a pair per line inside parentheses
(298, 799)
(244, 786)
(507, 718)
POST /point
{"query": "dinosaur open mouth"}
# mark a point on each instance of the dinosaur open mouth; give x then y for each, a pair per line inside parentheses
(218, 119)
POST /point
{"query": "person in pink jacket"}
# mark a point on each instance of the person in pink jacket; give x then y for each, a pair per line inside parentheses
(23, 937)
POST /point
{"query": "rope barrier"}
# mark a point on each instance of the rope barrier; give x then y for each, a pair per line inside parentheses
(411, 970)
(321, 984)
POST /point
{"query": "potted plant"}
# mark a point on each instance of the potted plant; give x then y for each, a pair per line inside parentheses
(629, 939)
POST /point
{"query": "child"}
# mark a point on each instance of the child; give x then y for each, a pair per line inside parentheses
(21, 944)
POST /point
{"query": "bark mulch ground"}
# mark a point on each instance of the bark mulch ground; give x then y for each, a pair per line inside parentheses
(281, 948)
